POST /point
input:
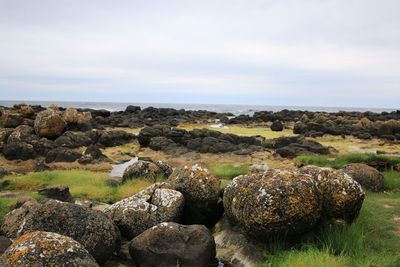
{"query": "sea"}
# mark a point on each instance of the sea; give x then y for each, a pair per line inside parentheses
(222, 108)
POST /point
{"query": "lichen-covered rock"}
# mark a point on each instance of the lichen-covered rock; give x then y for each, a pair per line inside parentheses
(39, 249)
(157, 203)
(10, 119)
(146, 169)
(61, 154)
(342, 196)
(49, 123)
(71, 115)
(367, 176)
(201, 191)
(273, 202)
(21, 201)
(170, 244)
(93, 229)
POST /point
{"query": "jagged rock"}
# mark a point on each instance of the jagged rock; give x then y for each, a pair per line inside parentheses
(342, 197)
(93, 229)
(5, 242)
(201, 191)
(46, 249)
(61, 154)
(272, 203)
(171, 244)
(367, 176)
(157, 203)
(59, 192)
(49, 123)
(19, 150)
(146, 169)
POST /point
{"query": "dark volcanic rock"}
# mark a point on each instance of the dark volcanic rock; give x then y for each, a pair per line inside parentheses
(46, 249)
(5, 242)
(73, 140)
(61, 154)
(19, 150)
(59, 192)
(132, 109)
(157, 203)
(93, 229)
(115, 138)
(171, 244)
(146, 169)
(367, 176)
(201, 191)
(277, 126)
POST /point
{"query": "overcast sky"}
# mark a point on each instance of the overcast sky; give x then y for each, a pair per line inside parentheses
(300, 52)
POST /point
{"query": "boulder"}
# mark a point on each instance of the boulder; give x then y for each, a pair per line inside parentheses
(93, 229)
(19, 150)
(21, 201)
(273, 203)
(201, 191)
(59, 192)
(132, 109)
(157, 203)
(115, 138)
(73, 140)
(145, 169)
(161, 143)
(11, 119)
(367, 176)
(72, 116)
(61, 154)
(342, 197)
(46, 249)
(171, 244)
(49, 123)
(22, 133)
(277, 126)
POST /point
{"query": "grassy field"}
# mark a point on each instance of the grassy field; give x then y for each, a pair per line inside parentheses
(82, 184)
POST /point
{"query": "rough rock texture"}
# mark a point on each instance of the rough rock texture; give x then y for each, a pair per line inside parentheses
(201, 191)
(115, 138)
(10, 119)
(5, 242)
(146, 169)
(273, 202)
(172, 244)
(73, 140)
(19, 150)
(59, 192)
(367, 176)
(234, 248)
(157, 203)
(38, 249)
(49, 123)
(342, 196)
(93, 229)
(61, 154)
(21, 201)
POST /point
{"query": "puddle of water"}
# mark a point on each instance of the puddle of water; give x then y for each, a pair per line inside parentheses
(221, 126)
(118, 169)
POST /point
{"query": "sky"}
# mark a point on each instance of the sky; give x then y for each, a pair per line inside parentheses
(339, 53)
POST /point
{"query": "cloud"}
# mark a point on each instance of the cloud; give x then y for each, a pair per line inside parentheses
(291, 52)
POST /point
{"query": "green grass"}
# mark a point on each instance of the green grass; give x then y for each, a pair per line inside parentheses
(373, 239)
(337, 161)
(228, 171)
(6, 203)
(392, 180)
(82, 184)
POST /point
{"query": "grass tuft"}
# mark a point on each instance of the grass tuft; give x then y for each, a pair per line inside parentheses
(228, 171)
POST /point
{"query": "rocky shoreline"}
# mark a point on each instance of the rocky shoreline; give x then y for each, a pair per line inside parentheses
(185, 217)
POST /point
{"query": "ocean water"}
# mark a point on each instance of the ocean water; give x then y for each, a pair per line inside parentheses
(235, 109)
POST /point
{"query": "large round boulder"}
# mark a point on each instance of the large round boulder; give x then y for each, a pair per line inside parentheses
(46, 249)
(201, 190)
(273, 202)
(146, 169)
(342, 196)
(93, 229)
(49, 123)
(171, 244)
(157, 203)
(367, 176)
(277, 126)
